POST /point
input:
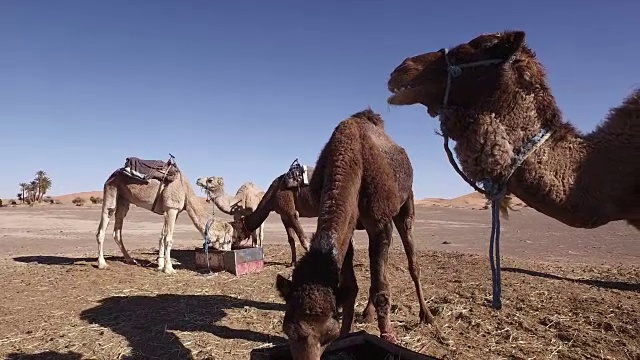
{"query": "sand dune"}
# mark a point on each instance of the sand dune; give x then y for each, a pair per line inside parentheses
(472, 201)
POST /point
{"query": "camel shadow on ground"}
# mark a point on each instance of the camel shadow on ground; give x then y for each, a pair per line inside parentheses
(615, 285)
(182, 259)
(46, 355)
(147, 322)
(77, 261)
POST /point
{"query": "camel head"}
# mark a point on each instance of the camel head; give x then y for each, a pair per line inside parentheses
(483, 75)
(240, 232)
(220, 234)
(213, 185)
(312, 298)
(310, 321)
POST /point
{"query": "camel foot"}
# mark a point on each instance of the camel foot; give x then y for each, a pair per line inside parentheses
(169, 270)
(130, 261)
(389, 337)
(102, 265)
(426, 317)
(368, 316)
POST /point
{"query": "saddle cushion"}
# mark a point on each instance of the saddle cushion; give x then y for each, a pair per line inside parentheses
(298, 175)
(150, 169)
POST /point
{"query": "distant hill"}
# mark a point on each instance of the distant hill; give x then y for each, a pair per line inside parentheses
(474, 201)
(66, 199)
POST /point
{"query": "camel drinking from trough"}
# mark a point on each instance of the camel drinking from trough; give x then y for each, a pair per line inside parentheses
(361, 175)
(160, 187)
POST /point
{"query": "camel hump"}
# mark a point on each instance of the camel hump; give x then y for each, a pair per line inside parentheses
(247, 187)
(370, 116)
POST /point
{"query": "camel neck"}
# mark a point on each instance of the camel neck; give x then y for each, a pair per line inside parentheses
(195, 209)
(553, 182)
(253, 220)
(338, 211)
(225, 203)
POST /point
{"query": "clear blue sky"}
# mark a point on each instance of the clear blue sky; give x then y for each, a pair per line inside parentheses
(241, 88)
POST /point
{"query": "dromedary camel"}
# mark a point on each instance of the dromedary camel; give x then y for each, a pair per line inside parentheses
(494, 101)
(243, 203)
(290, 197)
(147, 189)
(362, 174)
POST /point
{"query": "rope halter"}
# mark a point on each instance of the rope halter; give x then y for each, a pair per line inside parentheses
(491, 190)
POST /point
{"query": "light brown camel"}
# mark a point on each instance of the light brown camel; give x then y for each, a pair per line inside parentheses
(362, 174)
(244, 202)
(176, 195)
(494, 99)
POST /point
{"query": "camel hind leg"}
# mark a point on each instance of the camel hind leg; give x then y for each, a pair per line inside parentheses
(122, 208)
(110, 195)
(404, 225)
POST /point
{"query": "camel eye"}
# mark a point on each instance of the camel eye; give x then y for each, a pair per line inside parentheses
(489, 44)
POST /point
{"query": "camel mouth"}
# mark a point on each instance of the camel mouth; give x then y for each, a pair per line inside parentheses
(405, 95)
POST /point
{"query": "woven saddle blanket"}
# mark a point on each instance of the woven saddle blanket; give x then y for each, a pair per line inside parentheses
(144, 170)
(298, 175)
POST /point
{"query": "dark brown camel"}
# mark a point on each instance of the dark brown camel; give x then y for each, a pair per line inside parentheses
(495, 99)
(361, 174)
(291, 203)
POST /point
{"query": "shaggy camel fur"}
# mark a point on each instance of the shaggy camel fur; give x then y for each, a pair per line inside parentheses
(120, 191)
(244, 202)
(361, 174)
(493, 110)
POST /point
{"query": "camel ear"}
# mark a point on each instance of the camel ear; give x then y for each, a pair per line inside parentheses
(508, 44)
(284, 286)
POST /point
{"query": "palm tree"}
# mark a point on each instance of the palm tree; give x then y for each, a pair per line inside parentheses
(42, 184)
(32, 191)
(23, 188)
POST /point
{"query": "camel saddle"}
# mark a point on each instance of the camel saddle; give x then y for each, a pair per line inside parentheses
(144, 170)
(298, 175)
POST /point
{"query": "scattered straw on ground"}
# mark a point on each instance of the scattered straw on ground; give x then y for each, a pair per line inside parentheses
(56, 307)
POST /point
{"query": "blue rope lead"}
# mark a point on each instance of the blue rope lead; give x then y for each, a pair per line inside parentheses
(495, 262)
(206, 244)
(496, 194)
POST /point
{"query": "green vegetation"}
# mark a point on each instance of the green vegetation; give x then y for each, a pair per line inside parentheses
(35, 190)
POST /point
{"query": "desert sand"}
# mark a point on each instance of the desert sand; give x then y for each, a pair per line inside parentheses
(567, 293)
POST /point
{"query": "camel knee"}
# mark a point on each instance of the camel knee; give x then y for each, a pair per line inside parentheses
(382, 302)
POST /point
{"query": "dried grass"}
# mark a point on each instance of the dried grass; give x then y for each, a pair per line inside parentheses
(76, 311)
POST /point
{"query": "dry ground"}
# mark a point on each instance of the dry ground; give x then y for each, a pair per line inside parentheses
(567, 293)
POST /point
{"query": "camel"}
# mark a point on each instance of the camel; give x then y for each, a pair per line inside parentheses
(162, 188)
(494, 101)
(290, 197)
(244, 202)
(290, 203)
(360, 175)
